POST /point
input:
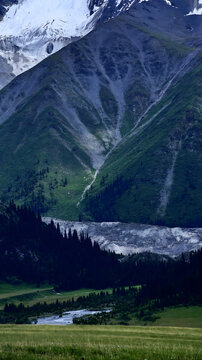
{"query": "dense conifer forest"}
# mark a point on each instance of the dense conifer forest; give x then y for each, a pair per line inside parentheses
(35, 253)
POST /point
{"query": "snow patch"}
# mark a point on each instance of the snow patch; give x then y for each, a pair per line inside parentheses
(197, 10)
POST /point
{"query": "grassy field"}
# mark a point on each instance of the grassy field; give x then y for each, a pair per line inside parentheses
(190, 316)
(25, 342)
(179, 316)
(7, 290)
(29, 294)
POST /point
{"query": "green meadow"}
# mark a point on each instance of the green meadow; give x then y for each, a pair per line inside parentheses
(179, 316)
(30, 294)
(189, 316)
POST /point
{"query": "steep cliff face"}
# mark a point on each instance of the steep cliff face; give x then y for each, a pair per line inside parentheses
(97, 112)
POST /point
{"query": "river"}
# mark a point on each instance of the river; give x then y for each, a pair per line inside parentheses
(67, 317)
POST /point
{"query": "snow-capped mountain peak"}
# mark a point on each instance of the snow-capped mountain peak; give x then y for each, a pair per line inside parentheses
(55, 17)
(31, 30)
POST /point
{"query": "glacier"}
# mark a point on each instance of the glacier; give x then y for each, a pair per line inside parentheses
(123, 238)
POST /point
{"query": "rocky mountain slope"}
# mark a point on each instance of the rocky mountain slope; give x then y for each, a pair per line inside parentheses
(153, 176)
(117, 112)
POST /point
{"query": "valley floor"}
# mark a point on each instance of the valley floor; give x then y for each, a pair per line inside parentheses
(30, 294)
(180, 316)
(99, 343)
(175, 335)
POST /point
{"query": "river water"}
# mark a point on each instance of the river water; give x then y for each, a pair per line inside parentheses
(67, 317)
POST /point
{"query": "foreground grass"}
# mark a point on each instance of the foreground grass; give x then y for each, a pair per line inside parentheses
(99, 342)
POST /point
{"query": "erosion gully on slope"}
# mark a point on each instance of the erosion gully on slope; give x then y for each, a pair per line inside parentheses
(137, 129)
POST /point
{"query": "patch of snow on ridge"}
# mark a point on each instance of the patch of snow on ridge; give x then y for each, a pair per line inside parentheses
(118, 2)
(197, 10)
(168, 2)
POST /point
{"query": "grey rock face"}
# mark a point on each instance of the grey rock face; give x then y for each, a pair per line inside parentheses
(137, 238)
(50, 48)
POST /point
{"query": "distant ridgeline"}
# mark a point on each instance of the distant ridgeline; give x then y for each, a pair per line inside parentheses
(35, 252)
